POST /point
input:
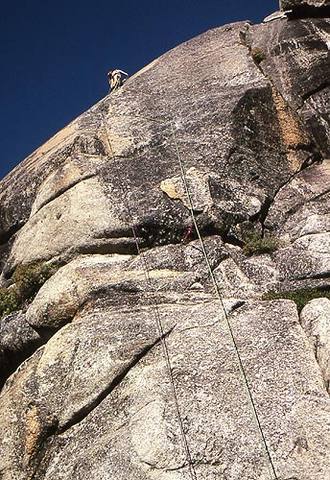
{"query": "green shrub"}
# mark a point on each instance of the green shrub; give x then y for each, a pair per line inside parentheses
(9, 301)
(30, 277)
(27, 280)
(300, 297)
(258, 55)
(255, 244)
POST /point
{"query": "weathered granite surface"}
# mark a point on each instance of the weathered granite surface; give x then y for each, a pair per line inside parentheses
(240, 116)
(315, 320)
(300, 4)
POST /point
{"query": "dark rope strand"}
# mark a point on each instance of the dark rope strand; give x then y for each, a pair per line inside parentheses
(216, 286)
(219, 295)
(157, 316)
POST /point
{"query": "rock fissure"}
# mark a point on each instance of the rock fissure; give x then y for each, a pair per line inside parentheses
(262, 215)
(320, 195)
(45, 442)
(61, 191)
(270, 202)
(308, 235)
(295, 208)
(82, 414)
(165, 469)
(6, 236)
(55, 430)
(299, 139)
(323, 275)
(186, 465)
(107, 246)
(195, 327)
(324, 85)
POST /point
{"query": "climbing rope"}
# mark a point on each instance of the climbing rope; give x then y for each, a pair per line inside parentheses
(156, 311)
(217, 292)
(219, 295)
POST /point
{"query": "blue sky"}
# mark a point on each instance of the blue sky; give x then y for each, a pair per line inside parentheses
(55, 55)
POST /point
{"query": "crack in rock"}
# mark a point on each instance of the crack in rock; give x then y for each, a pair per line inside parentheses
(318, 89)
(48, 436)
(60, 192)
(79, 416)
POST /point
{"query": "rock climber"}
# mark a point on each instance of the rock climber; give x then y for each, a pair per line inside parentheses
(116, 79)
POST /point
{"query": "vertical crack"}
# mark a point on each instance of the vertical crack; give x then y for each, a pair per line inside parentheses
(294, 131)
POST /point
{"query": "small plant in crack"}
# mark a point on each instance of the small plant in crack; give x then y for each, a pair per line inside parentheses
(27, 280)
(30, 277)
(255, 244)
(301, 296)
(9, 301)
(258, 55)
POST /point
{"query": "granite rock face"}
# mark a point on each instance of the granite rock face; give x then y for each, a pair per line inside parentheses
(315, 319)
(155, 350)
(300, 4)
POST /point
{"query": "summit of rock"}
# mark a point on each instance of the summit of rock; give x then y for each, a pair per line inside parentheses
(307, 7)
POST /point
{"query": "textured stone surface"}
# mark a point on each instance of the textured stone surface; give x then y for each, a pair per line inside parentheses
(294, 4)
(301, 207)
(315, 319)
(296, 60)
(240, 116)
(97, 425)
(234, 152)
(307, 257)
(18, 340)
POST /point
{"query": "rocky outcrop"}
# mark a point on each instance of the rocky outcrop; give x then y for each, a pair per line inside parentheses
(18, 340)
(176, 209)
(306, 8)
(287, 4)
(109, 409)
(299, 78)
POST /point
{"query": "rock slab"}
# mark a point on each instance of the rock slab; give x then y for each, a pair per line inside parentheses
(154, 347)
